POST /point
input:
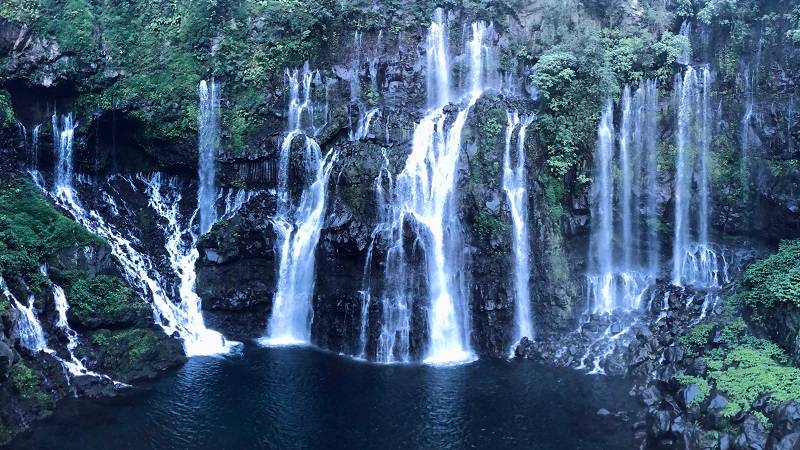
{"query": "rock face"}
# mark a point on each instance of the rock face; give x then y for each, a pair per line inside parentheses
(236, 270)
(237, 264)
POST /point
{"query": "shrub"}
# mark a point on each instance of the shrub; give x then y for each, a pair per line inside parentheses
(773, 280)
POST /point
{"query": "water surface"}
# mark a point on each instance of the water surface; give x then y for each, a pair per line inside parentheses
(293, 398)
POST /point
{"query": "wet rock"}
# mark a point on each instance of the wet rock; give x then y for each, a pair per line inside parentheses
(659, 423)
(753, 435)
(714, 410)
(236, 270)
(788, 442)
(786, 419)
(650, 396)
(688, 394)
(6, 359)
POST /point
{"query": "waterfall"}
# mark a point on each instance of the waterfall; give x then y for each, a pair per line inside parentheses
(208, 119)
(619, 275)
(185, 317)
(31, 146)
(746, 134)
(626, 176)
(355, 68)
(364, 123)
(650, 142)
(74, 365)
(515, 186)
(62, 143)
(695, 262)
(365, 115)
(425, 200)
(26, 325)
(685, 56)
(299, 227)
(601, 278)
(383, 189)
(686, 90)
(181, 247)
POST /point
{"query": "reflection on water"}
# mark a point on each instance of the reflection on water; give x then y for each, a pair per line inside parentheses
(286, 398)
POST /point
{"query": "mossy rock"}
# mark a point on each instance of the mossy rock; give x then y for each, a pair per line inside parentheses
(106, 301)
(135, 353)
(28, 385)
(32, 230)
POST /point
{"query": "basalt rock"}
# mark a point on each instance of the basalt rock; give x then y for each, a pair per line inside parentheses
(236, 270)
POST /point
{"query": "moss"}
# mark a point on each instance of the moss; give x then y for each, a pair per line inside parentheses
(32, 230)
(7, 118)
(28, 385)
(741, 364)
(488, 226)
(134, 353)
(491, 126)
(747, 373)
(5, 434)
(104, 301)
(554, 191)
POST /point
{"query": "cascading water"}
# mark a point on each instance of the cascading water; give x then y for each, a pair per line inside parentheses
(601, 272)
(74, 366)
(746, 134)
(515, 186)
(208, 119)
(620, 275)
(62, 142)
(31, 145)
(299, 228)
(620, 283)
(695, 263)
(425, 200)
(384, 186)
(365, 115)
(183, 317)
(364, 123)
(27, 327)
(649, 121)
(181, 247)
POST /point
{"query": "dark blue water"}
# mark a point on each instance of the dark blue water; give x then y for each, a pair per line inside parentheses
(300, 398)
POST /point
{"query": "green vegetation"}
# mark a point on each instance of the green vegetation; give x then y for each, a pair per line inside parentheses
(773, 280)
(572, 93)
(488, 225)
(134, 353)
(31, 231)
(28, 385)
(701, 384)
(740, 364)
(105, 300)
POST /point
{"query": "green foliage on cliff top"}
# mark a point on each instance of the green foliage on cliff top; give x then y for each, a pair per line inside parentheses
(572, 91)
(31, 230)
